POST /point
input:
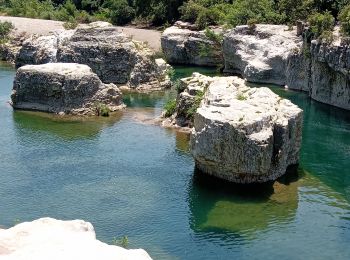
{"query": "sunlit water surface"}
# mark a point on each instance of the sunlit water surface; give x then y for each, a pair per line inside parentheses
(130, 177)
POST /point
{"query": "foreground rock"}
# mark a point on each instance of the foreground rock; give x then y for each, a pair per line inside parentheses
(245, 135)
(187, 46)
(48, 238)
(261, 54)
(65, 88)
(113, 56)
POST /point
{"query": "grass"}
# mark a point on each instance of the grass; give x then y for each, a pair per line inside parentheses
(122, 242)
(240, 96)
(102, 109)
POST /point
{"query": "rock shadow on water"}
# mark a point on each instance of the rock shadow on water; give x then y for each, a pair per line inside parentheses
(65, 127)
(241, 210)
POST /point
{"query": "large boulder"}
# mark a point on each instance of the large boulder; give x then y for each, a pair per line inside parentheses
(113, 56)
(261, 54)
(49, 238)
(245, 135)
(67, 88)
(185, 46)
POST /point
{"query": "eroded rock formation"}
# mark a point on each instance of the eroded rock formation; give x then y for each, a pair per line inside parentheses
(261, 54)
(184, 45)
(113, 56)
(243, 134)
(67, 88)
(49, 238)
(274, 54)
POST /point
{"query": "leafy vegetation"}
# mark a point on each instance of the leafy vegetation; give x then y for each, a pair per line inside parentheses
(170, 108)
(344, 18)
(5, 29)
(197, 102)
(102, 109)
(202, 12)
(122, 242)
(321, 23)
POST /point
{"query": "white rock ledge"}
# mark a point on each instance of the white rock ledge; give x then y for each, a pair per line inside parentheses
(243, 134)
(48, 238)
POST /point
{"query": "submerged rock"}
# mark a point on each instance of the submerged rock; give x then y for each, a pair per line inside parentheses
(67, 88)
(185, 46)
(243, 134)
(113, 56)
(49, 238)
(260, 55)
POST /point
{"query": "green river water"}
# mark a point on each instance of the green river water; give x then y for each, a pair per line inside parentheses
(129, 177)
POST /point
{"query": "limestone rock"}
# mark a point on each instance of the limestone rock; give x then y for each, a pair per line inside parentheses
(190, 89)
(243, 134)
(113, 56)
(261, 55)
(53, 239)
(329, 74)
(183, 46)
(63, 88)
(42, 49)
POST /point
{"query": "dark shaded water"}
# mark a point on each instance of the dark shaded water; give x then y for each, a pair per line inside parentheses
(129, 177)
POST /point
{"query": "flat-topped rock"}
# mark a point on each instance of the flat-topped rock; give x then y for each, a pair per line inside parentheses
(113, 56)
(65, 88)
(53, 239)
(243, 134)
(261, 54)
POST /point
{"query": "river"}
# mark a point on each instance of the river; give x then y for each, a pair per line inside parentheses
(129, 177)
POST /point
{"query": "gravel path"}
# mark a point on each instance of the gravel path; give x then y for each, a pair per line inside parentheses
(43, 27)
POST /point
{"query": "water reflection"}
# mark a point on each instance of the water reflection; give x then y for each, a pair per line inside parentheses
(241, 209)
(68, 128)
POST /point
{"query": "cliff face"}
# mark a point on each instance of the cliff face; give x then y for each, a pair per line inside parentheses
(273, 54)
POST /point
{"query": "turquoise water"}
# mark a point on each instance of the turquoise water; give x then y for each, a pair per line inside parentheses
(130, 177)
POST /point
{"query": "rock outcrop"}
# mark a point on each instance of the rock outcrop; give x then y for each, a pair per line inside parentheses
(49, 238)
(245, 135)
(65, 88)
(187, 46)
(113, 56)
(273, 54)
(191, 91)
(261, 54)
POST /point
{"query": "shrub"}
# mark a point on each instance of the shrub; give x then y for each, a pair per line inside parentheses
(102, 109)
(119, 11)
(190, 11)
(197, 102)
(70, 25)
(252, 24)
(344, 18)
(320, 23)
(327, 37)
(170, 108)
(5, 29)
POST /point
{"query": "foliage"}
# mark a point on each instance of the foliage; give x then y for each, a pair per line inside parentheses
(202, 12)
(197, 102)
(344, 18)
(321, 22)
(119, 11)
(327, 37)
(170, 108)
(70, 25)
(101, 109)
(241, 96)
(123, 242)
(5, 29)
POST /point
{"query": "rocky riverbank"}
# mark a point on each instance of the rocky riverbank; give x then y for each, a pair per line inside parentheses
(49, 238)
(272, 54)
